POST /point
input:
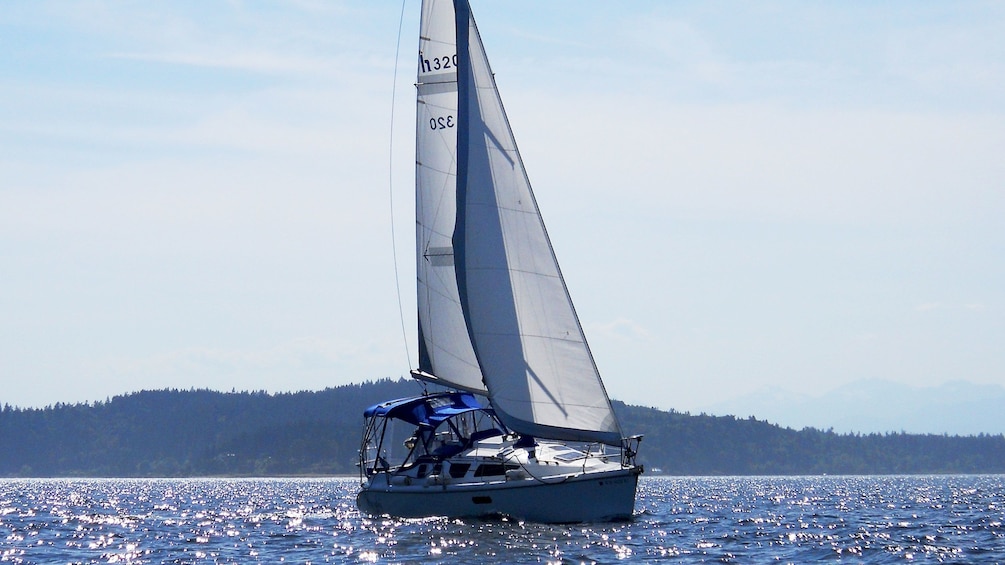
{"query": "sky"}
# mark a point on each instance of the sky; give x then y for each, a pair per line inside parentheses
(743, 196)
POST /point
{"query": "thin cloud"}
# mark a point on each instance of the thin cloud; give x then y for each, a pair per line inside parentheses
(255, 61)
(621, 329)
(277, 367)
(971, 307)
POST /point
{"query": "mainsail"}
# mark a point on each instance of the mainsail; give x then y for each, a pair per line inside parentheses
(494, 309)
(445, 352)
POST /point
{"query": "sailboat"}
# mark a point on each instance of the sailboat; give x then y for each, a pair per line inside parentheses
(524, 427)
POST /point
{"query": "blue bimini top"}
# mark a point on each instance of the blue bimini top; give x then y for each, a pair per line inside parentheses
(430, 410)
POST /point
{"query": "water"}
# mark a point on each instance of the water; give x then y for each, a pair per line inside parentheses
(934, 519)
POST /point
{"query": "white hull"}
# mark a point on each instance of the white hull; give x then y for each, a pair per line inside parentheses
(588, 497)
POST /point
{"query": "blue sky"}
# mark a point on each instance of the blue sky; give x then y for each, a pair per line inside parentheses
(785, 195)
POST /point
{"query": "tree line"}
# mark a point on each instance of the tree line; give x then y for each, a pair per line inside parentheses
(189, 433)
(682, 444)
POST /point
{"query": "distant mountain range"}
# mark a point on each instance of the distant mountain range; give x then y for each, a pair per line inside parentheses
(867, 406)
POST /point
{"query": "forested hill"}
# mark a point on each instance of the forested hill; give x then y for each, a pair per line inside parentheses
(174, 433)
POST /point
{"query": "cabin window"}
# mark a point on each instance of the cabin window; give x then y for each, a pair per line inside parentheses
(490, 470)
(458, 470)
(493, 469)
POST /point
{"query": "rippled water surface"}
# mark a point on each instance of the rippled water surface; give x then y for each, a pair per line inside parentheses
(691, 520)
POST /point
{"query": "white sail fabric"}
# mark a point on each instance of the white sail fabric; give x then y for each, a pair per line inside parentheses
(445, 352)
(527, 339)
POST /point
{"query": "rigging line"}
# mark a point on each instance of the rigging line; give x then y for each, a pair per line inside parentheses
(390, 181)
(512, 456)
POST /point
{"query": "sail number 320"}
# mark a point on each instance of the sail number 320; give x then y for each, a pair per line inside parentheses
(437, 63)
(442, 122)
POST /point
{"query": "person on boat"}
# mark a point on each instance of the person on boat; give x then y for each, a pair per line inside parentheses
(528, 443)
